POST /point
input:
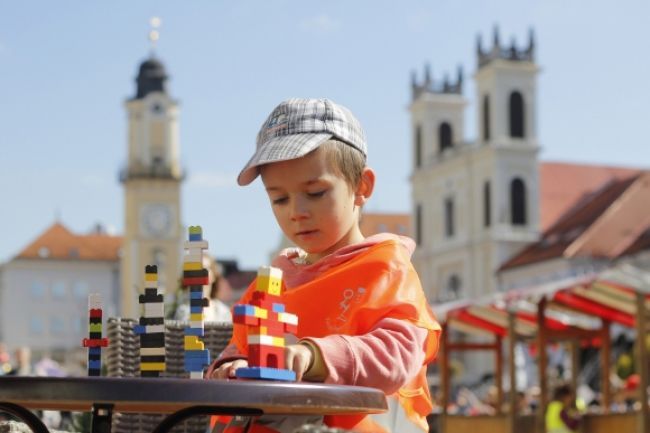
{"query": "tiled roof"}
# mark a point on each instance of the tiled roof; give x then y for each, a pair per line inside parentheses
(57, 242)
(563, 184)
(373, 223)
(607, 222)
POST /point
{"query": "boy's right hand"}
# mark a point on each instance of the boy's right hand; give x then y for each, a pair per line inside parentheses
(227, 369)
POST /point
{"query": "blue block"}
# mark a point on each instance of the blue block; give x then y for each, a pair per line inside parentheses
(194, 331)
(196, 237)
(265, 373)
(195, 366)
(198, 354)
(278, 308)
(94, 350)
(195, 310)
(139, 329)
(244, 310)
(95, 365)
(196, 295)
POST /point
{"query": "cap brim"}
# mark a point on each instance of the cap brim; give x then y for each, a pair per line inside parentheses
(282, 148)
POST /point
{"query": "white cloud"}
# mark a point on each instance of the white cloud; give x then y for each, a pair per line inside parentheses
(209, 179)
(320, 24)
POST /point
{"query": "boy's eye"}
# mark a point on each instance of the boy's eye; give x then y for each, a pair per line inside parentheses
(279, 200)
(317, 194)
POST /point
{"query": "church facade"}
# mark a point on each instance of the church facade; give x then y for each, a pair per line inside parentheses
(475, 204)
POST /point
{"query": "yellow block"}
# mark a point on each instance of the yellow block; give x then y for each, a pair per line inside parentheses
(152, 366)
(192, 342)
(192, 266)
(196, 230)
(270, 285)
(261, 313)
(196, 317)
(151, 277)
(95, 327)
(278, 341)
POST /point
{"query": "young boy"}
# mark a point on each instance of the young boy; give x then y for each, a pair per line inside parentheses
(364, 319)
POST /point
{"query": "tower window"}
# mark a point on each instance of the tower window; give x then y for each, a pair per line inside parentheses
(418, 146)
(449, 217)
(518, 202)
(516, 110)
(418, 224)
(487, 205)
(453, 287)
(445, 137)
(486, 118)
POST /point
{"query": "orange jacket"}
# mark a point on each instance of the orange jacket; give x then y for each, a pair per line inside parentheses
(380, 282)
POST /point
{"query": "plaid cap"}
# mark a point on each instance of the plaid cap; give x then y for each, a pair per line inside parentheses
(298, 126)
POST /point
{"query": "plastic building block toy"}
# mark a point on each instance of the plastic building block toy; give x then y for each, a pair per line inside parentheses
(152, 326)
(266, 323)
(195, 276)
(95, 341)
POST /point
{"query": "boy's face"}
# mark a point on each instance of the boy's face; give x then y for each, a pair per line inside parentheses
(314, 206)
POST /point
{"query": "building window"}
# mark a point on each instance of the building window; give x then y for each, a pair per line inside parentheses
(57, 325)
(418, 224)
(517, 202)
(37, 290)
(80, 289)
(486, 118)
(59, 290)
(487, 204)
(445, 136)
(453, 287)
(516, 110)
(36, 325)
(449, 217)
(418, 146)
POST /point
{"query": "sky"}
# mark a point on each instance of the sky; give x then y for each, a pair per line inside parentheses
(67, 67)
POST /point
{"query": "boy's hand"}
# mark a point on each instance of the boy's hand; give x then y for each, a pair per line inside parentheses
(227, 369)
(298, 357)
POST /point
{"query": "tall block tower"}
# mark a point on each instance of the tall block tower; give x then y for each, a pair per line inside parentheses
(475, 203)
(152, 179)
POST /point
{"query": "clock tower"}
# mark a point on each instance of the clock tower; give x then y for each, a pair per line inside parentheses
(152, 179)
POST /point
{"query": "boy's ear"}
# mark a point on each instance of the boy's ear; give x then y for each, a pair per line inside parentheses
(365, 187)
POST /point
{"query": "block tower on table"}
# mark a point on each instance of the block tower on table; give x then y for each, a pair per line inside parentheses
(195, 276)
(267, 322)
(95, 341)
(152, 326)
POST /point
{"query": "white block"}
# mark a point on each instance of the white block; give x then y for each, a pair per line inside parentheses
(188, 245)
(269, 271)
(289, 318)
(152, 351)
(154, 309)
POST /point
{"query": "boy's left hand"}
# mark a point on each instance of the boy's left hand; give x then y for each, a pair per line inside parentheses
(298, 358)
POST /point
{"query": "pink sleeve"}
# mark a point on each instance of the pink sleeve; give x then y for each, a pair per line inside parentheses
(230, 353)
(385, 358)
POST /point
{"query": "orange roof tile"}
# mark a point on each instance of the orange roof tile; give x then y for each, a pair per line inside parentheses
(563, 184)
(608, 222)
(57, 242)
(397, 223)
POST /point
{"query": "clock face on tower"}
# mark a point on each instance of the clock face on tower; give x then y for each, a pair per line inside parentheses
(156, 220)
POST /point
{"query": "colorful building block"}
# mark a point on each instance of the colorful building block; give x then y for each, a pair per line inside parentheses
(195, 276)
(95, 341)
(267, 322)
(152, 326)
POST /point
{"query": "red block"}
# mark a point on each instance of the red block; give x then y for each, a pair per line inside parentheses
(246, 320)
(95, 342)
(261, 355)
(291, 329)
(95, 312)
(196, 281)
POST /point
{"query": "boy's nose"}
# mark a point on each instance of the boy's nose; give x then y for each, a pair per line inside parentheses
(299, 210)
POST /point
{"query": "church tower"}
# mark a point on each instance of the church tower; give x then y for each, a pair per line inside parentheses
(475, 204)
(152, 179)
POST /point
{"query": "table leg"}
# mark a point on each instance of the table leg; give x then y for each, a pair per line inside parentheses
(32, 421)
(177, 417)
(102, 415)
